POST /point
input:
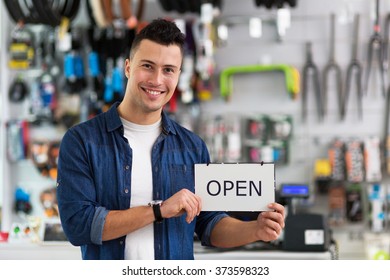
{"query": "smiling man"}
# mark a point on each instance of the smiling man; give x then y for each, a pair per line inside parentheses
(125, 183)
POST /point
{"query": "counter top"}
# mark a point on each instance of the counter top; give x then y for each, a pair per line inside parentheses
(66, 251)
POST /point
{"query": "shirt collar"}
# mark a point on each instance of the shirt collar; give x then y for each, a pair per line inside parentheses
(114, 122)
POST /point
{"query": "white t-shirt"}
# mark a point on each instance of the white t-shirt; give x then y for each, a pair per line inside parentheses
(140, 243)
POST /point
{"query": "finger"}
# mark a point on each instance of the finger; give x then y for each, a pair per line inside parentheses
(199, 203)
(274, 216)
(273, 226)
(193, 207)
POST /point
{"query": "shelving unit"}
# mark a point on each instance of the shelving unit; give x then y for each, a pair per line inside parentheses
(265, 94)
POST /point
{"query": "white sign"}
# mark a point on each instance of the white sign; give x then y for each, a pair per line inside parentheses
(235, 186)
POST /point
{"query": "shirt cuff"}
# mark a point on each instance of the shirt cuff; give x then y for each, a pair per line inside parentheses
(210, 226)
(98, 224)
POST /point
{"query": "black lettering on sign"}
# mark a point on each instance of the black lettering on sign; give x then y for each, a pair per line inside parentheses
(227, 186)
(218, 188)
(240, 188)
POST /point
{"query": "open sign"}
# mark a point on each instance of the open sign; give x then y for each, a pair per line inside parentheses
(235, 186)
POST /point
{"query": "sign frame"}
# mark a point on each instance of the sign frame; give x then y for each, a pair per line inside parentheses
(235, 186)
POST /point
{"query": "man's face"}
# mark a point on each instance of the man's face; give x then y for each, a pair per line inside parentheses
(153, 75)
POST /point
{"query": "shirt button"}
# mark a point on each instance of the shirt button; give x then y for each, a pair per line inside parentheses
(126, 190)
(127, 167)
(121, 242)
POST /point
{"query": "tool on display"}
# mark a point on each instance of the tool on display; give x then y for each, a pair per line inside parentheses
(386, 136)
(291, 77)
(21, 48)
(385, 54)
(311, 77)
(354, 67)
(332, 66)
(376, 45)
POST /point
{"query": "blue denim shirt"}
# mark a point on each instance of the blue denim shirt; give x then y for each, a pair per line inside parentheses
(94, 172)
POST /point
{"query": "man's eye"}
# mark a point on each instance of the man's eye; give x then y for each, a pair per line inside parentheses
(147, 66)
(169, 70)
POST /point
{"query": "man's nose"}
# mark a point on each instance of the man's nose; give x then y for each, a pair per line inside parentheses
(157, 77)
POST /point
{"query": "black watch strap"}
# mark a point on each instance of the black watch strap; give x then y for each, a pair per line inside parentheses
(156, 210)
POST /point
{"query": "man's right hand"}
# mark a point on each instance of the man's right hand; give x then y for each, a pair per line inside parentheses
(184, 201)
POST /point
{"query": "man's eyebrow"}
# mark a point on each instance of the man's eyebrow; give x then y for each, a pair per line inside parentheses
(151, 62)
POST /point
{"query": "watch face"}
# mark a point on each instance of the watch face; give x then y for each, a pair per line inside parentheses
(155, 202)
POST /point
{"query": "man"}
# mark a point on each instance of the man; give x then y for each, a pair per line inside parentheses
(113, 166)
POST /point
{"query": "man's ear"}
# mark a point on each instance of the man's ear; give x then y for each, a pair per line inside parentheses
(127, 68)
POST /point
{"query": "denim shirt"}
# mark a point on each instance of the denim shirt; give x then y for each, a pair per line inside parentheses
(94, 171)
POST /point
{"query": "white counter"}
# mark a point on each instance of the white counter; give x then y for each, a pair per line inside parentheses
(42, 251)
(65, 251)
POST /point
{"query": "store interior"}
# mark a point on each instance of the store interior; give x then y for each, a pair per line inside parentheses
(303, 84)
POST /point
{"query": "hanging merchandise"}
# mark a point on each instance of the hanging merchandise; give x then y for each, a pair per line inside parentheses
(386, 136)
(205, 62)
(337, 160)
(118, 82)
(47, 92)
(271, 4)
(280, 127)
(17, 140)
(354, 202)
(108, 90)
(188, 76)
(21, 48)
(188, 6)
(107, 12)
(74, 72)
(372, 159)
(337, 204)
(354, 161)
(22, 201)
(311, 78)
(332, 67)
(218, 140)
(322, 175)
(40, 156)
(291, 74)
(376, 194)
(48, 52)
(48, 199)
(233, 138)
(44, 155)
(376, 48)
(18, 90)
(46, 12)
(354, 67)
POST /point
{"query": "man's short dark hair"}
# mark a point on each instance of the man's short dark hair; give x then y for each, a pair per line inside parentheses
(160, 31)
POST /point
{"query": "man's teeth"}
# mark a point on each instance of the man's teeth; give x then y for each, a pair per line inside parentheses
(152, 92)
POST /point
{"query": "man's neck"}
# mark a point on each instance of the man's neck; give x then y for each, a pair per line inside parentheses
(138, 117)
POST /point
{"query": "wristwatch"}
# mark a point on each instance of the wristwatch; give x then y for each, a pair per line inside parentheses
(156, 210)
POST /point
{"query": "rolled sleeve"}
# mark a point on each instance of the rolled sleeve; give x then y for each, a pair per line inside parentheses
(98, 225)
(206, 224)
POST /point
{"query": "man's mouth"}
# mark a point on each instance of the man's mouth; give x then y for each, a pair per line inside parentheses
(153, 92)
